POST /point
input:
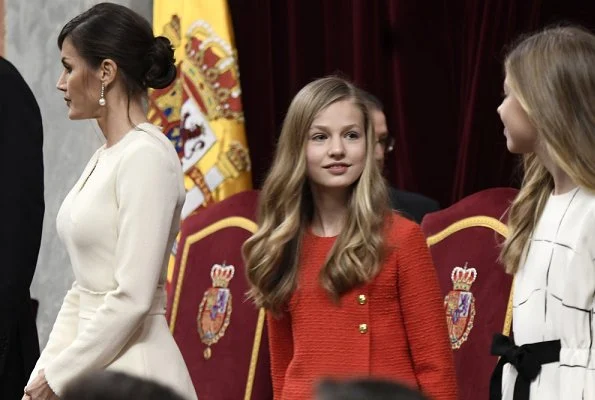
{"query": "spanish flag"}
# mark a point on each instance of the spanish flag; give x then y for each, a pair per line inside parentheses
(201, 112)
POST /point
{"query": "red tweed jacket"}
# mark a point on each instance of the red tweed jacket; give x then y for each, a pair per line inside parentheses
(393, 327)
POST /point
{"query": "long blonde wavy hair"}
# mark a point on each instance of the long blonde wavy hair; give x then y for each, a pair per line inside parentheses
(552, 74)
(286, 209)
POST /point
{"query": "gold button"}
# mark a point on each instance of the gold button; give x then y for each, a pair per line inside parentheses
(363, 328)
(361, 299)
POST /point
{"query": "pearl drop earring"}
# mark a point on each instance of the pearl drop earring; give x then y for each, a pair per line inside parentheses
(102, 101)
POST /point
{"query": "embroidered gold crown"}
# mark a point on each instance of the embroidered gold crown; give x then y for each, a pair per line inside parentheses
(213, 72)
(222, 274)
(172, 31)
(463, 277)
(238, 156)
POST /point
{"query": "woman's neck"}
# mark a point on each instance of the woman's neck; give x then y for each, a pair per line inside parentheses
(119, 118)
(563, 183)
(330, 212)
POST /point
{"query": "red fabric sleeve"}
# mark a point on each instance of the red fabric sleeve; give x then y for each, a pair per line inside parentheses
(281, 349)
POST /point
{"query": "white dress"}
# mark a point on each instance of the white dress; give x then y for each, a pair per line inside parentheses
(118, 224)
(554, 298)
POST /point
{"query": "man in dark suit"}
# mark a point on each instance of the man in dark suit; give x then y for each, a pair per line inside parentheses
(21, 185)
(412, 205)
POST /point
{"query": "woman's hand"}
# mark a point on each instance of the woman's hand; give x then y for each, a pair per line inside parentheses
(39, 389)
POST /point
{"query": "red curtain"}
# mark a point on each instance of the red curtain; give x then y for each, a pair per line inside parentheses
(437, 68)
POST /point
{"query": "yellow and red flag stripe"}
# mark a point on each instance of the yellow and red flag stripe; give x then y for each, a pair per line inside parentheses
(201, 112)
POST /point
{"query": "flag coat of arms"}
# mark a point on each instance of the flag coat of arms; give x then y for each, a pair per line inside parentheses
(201, 111)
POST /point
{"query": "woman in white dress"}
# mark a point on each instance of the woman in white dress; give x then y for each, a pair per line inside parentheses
(549, 116)
(120, 219)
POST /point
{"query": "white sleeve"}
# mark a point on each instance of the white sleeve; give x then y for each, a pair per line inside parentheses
(577, 356)
(64, 330)
(147, 190)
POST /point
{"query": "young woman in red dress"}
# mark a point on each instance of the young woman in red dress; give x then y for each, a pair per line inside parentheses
(350, 286)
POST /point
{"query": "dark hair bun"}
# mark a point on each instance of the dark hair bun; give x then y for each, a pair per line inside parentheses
(161, 65)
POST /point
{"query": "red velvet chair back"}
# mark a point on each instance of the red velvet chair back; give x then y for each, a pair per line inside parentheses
(220, 333)
(464, 240)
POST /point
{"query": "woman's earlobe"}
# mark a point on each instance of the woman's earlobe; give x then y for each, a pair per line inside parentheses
(108, 71)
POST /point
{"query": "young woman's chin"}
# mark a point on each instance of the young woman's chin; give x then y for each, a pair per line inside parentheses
(516, 148)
